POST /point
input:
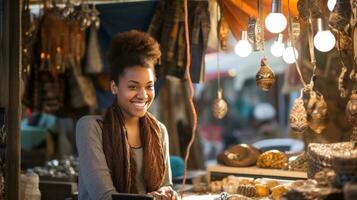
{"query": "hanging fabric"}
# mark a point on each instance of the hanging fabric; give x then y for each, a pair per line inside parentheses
(168, 28)
(93, 61)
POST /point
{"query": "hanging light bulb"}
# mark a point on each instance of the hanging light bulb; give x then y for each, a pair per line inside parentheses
(275, 22)
(324, 40)
(277, 49)
(289, 55)
(243, 48)
(331, 4)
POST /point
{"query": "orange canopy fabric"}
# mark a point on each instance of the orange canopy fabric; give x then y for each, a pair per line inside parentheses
(237, 13)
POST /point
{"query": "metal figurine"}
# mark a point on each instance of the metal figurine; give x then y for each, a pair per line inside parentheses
(317, 112)
(265, 77)
(351, 108)
(298, 116)
(219, 107)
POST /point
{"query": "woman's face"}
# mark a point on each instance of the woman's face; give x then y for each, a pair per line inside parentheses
(135, 91)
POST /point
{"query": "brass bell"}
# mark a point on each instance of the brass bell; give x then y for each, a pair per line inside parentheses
(298, 116)
(265, 77)
(351, 109)
(317, 112)
(219, 107)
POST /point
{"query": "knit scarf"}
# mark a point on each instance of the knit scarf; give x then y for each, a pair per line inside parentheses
(120, 157)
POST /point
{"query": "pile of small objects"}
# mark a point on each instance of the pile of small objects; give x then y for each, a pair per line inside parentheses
(66, 168)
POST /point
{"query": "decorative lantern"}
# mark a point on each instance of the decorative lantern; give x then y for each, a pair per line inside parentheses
(298, 116)
(265, 77)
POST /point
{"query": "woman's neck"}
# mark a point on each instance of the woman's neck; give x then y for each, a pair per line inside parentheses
(131, 122)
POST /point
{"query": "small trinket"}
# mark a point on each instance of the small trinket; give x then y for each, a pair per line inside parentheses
(295, 25)
(223, 30)
(326, 177)
(298, 116)
(255, 34)
(341, 87)
(351, 108)
(219, 107)
(317, 112)
(265, 77)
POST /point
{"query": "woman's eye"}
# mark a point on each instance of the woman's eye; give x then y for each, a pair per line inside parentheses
(132, 87)
(150, 87)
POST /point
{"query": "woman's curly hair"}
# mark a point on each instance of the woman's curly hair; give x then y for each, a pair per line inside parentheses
(132, 48)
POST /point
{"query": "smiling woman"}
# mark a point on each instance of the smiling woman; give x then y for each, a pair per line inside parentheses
(126, 151)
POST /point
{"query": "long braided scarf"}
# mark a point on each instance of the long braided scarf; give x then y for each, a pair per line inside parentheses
(120, 157)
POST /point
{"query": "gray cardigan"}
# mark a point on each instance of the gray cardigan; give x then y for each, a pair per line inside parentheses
(95, 182)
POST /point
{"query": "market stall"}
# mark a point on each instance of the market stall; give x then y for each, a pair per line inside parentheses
(308, 47)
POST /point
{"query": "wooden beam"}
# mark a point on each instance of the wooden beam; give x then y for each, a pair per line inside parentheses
(10, 92)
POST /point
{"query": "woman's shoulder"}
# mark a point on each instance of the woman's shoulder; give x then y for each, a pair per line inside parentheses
(162, 126)
(89, 123)
(89, 120)
(163, 130)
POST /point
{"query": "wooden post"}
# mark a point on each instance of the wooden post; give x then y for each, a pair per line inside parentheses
(10, 85)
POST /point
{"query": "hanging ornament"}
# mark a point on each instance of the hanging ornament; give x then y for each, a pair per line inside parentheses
(94, 15)
(255, 29)
(351, 113)
(344, 42)
(351, 108)
(295, 28)
(223, 30)
(265, 77)
(341, 15)
(298, 116)
(68, 9)
(219, 107)
(341, 87)
(254, 34)
(317, 112)
(307, 7)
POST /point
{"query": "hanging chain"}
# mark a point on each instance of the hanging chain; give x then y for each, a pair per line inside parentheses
(218, 46)
(293, 46)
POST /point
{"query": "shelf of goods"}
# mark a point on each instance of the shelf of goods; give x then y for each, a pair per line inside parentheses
(219, 171)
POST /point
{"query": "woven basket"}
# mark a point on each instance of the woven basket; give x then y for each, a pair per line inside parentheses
(341, 157)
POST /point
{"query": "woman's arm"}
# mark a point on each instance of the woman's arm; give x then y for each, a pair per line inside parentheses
(93, 170)
(168, 175)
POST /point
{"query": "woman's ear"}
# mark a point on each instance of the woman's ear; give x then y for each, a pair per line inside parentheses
(113, 87)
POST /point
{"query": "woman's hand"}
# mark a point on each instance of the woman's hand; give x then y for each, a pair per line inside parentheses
(165, 193)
